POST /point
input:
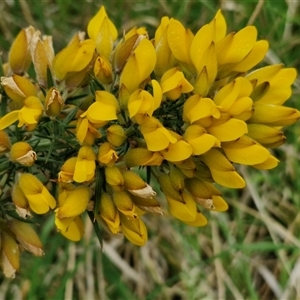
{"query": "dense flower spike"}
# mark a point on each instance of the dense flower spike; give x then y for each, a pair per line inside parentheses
(112, 119)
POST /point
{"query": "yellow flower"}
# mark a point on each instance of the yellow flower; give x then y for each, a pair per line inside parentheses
(107, 155)
(103, 110)
(103, 32)
(85, 165)
(157, 137)
(199, 139)
(173, 84)
(127, 45)
(196, 108)
(75, 57)
(181, 204)
(22, 153)
(86, 132)
(71, 228)
(39, 198)
(143, 103)
(140, 63)
(75, 203)
(67, 170)
(222, 170)
(28, 115)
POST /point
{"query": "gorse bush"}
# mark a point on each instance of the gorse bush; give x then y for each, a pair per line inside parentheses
(97, 126)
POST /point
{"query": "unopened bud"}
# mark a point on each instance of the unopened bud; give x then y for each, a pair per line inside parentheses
(4, 142)
(109, 213)
(114, 178)
(177, 179)
(22, 153)
(124, 203)
(116, 135)
(27, 237)
(53, 102)
(10, 255)
(103, 70)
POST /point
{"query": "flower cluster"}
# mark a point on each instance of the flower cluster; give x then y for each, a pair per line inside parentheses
(105, 122)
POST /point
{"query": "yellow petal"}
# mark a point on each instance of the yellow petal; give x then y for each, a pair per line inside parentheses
(245, 151)
(218, 26)
(71, 228)
(196, 108)
(222, 170)
(199, 140)
(9, 119)
(274, 115)
(141, 63)
(199, 221)
(241, 44)
(185, 211)
(179, 40)
(256, 55)
(270, 163)
(228, 131)
(178, 151)
(134, 230)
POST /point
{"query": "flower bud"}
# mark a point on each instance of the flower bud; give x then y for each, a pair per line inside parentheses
(103, 70)
(53, 102)
(114, 178)
(124, 204)
(10, 255)
(116, 135)
(27, 237)
(22, 153)
(147, 204)
(177, 179)
(109, 213)
(135, 157)
(4, 142)
(20, 201)
(85, 164)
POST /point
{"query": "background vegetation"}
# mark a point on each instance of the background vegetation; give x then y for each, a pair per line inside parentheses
(249, 252)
